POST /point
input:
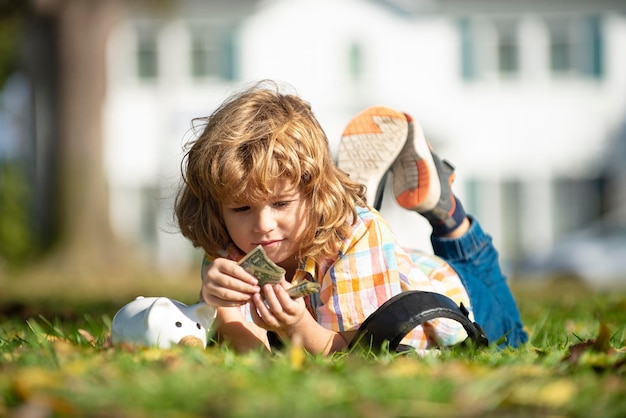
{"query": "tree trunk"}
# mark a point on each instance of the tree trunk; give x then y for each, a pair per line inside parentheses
(86, 244)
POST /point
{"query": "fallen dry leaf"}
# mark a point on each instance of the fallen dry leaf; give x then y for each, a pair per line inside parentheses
(87, 336)
(553, 394)
(597, 352)
(296, 352)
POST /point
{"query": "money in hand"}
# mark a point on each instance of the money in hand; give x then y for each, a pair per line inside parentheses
(304, 288)
(257, 263)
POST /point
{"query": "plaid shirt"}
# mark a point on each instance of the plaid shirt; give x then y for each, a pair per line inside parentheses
(369, 269)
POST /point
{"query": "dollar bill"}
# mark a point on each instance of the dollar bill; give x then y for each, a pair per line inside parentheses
(257, 263)
(303, 288)
(258, 258)
(265, 277)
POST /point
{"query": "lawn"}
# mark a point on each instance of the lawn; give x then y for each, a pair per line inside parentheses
(55, 360)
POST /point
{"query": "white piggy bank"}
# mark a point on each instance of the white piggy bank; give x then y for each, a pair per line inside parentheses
(162, 322)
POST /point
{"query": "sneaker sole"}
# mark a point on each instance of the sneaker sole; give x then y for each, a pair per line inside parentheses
(369, 146)
(416, 157)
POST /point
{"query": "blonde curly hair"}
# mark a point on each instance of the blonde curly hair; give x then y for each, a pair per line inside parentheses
(252, 140)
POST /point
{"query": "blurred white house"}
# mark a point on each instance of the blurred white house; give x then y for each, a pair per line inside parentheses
(527, 99)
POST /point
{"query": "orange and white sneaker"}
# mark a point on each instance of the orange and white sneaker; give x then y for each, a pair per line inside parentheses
(369, 146)
(422, 181)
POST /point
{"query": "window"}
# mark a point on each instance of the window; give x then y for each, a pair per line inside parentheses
(576, 46)
(147, 53)
(491, 46)
(560, 45)
(488, 47)
(468, 70)
(511, 204)
(355, 61)
(593, 29)
(508, 48)
(213, 51)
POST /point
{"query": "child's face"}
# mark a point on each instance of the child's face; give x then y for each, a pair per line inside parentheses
(278, 224)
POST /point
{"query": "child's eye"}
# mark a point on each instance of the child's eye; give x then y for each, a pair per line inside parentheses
(240, 209)
(281, 204)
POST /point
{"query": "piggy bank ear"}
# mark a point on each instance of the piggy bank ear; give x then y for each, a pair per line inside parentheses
(158, 312)
(205, 314)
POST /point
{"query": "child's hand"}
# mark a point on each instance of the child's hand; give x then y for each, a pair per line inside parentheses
(226, 283)
(279, 311)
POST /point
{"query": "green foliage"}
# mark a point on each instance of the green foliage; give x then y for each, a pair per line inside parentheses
(575, 365)
(16, 240)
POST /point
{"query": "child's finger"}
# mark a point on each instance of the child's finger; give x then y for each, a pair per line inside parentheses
(271, 299)
(243, 275)
(261, 314)
(288, 305)
(219, 296)
(230, 269)
(224, 290)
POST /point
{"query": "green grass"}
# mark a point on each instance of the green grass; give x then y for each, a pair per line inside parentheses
(50, 366)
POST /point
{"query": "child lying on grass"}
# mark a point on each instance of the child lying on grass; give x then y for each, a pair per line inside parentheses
(261, 173)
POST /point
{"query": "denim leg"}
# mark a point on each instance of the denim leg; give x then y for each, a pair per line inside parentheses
(475, 259)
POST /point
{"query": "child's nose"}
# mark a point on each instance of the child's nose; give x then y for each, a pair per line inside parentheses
(265, 220)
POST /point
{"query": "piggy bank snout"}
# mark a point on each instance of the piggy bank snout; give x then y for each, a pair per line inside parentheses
(172, 322)
(191, 341)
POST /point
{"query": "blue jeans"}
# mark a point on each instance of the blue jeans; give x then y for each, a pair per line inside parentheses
(475, 259)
